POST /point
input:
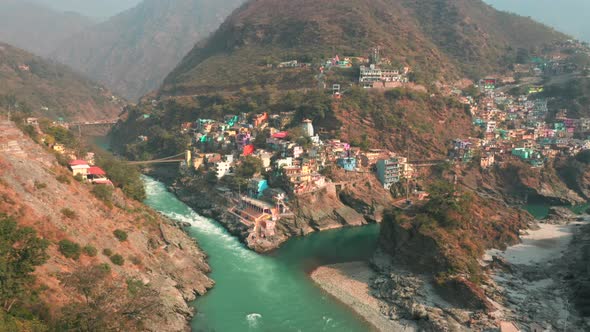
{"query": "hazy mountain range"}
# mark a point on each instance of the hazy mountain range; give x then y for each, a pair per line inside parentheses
(37, 28)
(98, 9)
(569, 16)
(52, 90)
(132, 52)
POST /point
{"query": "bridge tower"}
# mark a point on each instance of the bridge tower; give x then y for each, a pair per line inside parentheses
(188, 157)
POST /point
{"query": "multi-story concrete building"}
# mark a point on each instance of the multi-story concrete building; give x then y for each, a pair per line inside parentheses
(388, 171)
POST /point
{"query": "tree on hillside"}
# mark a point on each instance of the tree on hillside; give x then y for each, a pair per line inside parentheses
(249, 166)
(108, 304)
(124, 176)
(20, 252)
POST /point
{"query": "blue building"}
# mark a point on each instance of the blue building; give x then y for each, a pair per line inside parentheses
(256, 187)
(348, 163)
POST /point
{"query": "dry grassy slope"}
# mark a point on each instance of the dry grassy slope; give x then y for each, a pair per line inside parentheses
(422, 127)
(436, 37)
(178, 270)
(57, 87)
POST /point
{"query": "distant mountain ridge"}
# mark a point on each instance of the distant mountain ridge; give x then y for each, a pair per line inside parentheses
(97, 9)
(52, 90)
(569, 16)
(132, 52)
(436, 37)
(37, 28)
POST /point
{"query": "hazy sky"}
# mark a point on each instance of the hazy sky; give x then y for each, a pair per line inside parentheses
(100, 9)
(569, 16)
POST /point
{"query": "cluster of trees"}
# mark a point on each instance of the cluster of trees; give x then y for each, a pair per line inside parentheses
(248, 167)
(123, 175)
(573, 96)
(21, 250)
(108, 303)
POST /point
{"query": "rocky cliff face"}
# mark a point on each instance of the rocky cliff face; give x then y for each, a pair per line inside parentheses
(578, 273)
(516, 181)
(36, 191)
(429, 260)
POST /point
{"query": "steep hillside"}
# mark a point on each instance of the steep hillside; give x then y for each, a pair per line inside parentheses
(156, 256)
(37, 28)
(45, 88)
(435, 37)
(132, 52)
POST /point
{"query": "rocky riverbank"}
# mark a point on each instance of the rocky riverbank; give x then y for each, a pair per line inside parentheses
(349, 283)
(536, 279)
(329, 208)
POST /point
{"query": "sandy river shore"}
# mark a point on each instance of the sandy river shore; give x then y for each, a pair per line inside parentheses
(348, 282)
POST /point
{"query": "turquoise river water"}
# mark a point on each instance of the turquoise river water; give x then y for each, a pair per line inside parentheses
(268, 292)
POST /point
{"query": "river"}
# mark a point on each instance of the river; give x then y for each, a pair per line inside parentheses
(268, 292)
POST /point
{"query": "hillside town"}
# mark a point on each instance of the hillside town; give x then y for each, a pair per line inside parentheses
(295, 165)
(522, 126)
(286, 157)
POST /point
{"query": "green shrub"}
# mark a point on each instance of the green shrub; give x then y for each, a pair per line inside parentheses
(105, 267)
(135, 260)
(62, 159)
(117, 259)
(63, 179)
(40, 185)
(90, 250)
(121, 235)
(69, 249)
(70, 214)
(104, 193)
(107, 252)
(78, 177)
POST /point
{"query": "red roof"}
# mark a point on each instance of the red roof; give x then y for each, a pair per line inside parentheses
(281, 134)
(95, 170)
(78, 162)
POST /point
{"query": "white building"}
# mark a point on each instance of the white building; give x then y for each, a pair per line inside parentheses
(491, 126)
(223, 168)
(307, 126)
(285, 162)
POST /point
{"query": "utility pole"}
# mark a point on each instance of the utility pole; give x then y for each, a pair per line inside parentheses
(567, 311)
(407, 177)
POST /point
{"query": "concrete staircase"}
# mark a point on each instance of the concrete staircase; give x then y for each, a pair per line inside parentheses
(11, 138)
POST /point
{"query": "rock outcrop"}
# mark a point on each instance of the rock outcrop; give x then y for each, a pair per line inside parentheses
(429, 256)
